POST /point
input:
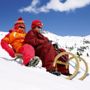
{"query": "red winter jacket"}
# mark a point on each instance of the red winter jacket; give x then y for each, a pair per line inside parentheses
(44, 49)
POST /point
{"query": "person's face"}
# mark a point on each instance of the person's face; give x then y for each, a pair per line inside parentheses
(38, 29)
(21, 28)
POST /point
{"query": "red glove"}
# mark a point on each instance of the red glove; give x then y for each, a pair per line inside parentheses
(7, 48)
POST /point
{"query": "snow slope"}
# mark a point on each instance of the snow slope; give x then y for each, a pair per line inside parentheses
(14, 76)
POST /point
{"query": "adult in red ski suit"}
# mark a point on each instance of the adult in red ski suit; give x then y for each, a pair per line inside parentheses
(43, 47)
(13, 42)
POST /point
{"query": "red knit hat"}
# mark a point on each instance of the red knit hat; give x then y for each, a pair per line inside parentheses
(19, 22)
(36, 23)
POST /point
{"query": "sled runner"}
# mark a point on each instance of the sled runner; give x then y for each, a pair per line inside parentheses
(86, 68)
(76, 67)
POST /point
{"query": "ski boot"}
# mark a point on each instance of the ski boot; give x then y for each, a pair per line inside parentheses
(35, 62)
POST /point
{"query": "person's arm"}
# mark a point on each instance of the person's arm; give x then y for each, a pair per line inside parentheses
(6, 47)
(34, 39)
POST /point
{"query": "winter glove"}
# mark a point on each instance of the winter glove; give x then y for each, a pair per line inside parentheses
(7, 48)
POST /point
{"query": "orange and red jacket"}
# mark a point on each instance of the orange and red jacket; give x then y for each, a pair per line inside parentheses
(15, 39)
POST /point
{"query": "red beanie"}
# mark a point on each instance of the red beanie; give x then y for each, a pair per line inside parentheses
(36, 23)
(19, 22)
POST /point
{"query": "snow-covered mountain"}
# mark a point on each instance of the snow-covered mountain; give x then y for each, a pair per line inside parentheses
(71, 43)
(14, 76)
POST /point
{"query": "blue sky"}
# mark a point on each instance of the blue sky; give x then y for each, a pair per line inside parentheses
(70, 17)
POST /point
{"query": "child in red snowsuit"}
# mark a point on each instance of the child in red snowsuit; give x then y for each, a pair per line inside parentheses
(43, 47)
(13, 42)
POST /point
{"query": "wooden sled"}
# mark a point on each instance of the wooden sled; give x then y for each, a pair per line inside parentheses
(77, 64)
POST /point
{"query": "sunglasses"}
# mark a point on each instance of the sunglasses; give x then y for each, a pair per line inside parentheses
(21, 27)
(39, 27)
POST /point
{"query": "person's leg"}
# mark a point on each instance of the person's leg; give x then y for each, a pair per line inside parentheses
(63, 69)
(27, 52)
